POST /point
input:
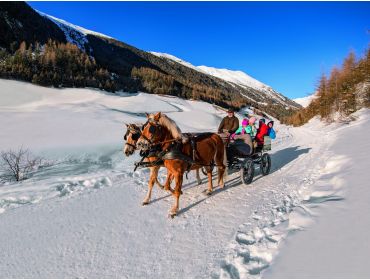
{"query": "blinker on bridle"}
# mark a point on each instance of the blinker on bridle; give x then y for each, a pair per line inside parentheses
(154, 125)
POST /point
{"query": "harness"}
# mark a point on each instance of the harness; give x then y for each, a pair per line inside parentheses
(173, 151)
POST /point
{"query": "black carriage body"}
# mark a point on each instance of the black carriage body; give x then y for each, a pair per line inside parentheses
(238, 149)
(242, 156)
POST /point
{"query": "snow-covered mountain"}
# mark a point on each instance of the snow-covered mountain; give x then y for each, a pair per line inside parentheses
(78, 35)
(75, 34)
(233, 77)
(176, 59)
(173, 76)
(305, 101)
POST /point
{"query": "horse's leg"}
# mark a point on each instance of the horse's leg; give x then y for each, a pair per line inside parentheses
(156, 168)
(152, 179)
(178, 179)
(221, 171)
(198, 177)
(210, 183)
(167, 184)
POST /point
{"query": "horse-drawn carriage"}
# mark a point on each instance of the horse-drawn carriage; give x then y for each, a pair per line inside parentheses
(162, 144)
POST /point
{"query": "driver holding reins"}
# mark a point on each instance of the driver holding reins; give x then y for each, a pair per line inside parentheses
(228, 125)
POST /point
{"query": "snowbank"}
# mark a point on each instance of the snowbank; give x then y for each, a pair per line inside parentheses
(335, 245)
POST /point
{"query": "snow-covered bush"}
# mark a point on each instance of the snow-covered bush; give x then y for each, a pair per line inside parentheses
(17, 164)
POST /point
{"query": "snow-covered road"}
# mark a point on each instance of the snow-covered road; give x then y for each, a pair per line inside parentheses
(82, 215)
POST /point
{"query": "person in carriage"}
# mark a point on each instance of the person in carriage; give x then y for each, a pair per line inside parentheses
(271, 130)
(246, 128)
(228, 125)
(251, 128)
(262, 131)
(242, 129)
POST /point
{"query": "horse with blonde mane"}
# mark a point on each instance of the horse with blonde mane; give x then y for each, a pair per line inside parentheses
(131, 137)
(180, 154)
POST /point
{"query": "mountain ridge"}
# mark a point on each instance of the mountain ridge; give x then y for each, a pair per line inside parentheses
(235, 77)
(137, 70)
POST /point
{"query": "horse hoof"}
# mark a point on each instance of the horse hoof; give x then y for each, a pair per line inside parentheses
(168, 190)
(208, 192)
(145, 203)
(171, 215)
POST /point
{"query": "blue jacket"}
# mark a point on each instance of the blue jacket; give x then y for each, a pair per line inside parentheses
(272, 133)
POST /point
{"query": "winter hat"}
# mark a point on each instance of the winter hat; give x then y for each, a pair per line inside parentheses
(245, 122)
(262, 120)
(272, 122)
(252, 120)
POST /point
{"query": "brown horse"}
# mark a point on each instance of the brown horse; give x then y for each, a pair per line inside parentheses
(161, 130)
(131, 137)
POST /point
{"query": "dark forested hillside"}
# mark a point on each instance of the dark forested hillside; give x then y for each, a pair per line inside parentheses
(19, 22)
(37, 49)
(55, 64)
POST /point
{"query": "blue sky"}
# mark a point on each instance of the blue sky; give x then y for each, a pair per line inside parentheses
(286, 45)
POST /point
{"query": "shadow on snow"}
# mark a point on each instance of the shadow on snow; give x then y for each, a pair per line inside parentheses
(278, 161)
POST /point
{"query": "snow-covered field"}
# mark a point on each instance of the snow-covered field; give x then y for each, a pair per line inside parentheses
(81, 214)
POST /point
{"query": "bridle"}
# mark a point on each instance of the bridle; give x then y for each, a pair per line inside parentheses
(155, 126)
(136, 133)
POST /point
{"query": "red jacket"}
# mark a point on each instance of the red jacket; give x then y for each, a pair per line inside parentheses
(261, 132)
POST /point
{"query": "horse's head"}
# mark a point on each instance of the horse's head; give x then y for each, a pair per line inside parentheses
(131, 137)
(151, 132)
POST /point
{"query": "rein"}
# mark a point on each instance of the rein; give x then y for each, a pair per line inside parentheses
(165, 142)
(147, 139)
(156, 162)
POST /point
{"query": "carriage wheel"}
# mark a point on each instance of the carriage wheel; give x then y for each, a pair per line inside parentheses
(204, 170)
(247, 171)
(265, 164)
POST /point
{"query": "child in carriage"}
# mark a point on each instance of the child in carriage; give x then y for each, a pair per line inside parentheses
(242, 129)
(251, 129)
(262, 131)
(271, 132)
(247, 127)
